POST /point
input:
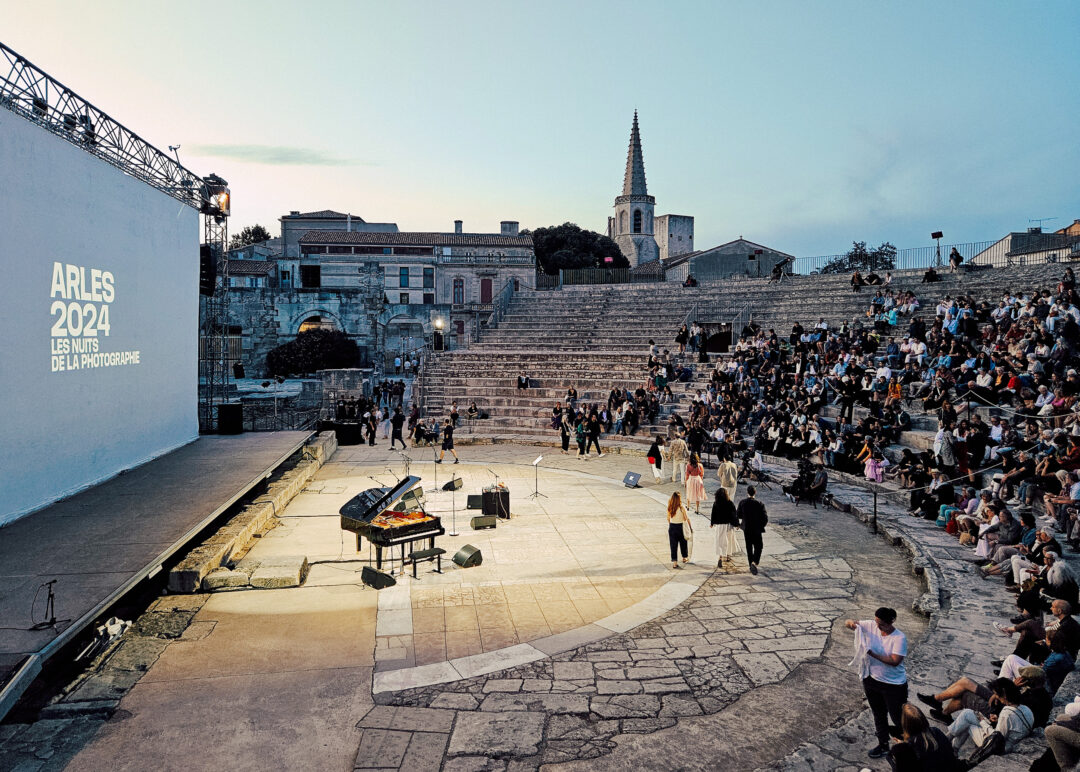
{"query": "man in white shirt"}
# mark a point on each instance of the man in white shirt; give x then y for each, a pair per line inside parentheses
(884, 677)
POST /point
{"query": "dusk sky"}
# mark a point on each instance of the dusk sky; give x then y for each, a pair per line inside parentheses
(800, 125)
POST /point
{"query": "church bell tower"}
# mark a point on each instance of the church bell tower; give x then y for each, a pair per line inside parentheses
(632, 226)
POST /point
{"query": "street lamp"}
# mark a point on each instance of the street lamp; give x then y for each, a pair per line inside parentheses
(437, 338)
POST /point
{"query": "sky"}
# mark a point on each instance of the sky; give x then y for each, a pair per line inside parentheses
(802, 125)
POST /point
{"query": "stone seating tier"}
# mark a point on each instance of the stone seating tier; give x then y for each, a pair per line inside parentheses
(596, 336)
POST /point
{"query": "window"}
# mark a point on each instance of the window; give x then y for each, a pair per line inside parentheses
(310, 276)
(403, 277)
(284, 278)
(334, 250)
(637, 221)
(517, 286)
(622, 222)
(404, 298)
(460, 327)
(429, 298)
(459, 292)
(429, 278)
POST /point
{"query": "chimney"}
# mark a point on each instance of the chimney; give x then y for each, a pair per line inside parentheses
(509, 227)
(294, 211)
(348, 222)
(457, 226)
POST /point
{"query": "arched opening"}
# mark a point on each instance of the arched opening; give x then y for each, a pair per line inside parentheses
(637, 221)
(317, 323)
(404, 338)
(622, 222)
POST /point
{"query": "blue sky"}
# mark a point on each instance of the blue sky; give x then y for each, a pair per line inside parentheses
(801, 125)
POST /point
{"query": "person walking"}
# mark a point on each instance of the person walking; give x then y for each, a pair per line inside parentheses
(695, 483)
(396, 422)
(678, 525)
(656, 458)
(752, 519)
(679, 454)
(880, 652)
(371, 425)
(593, 436)
(728, 475)
(579, 436)
(564, 431)
(724, 521)
(448, 442)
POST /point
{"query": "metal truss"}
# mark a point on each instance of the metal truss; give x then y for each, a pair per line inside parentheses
(28, 91)
(214, 343)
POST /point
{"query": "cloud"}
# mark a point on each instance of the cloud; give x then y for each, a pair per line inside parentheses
(276, 155)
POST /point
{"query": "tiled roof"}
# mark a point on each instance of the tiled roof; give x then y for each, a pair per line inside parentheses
(417, 239)
(651, 268)
(323, 214)
(680, 259)
(251, 267)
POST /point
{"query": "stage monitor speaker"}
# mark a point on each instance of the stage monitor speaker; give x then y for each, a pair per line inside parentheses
(631, 480)
(483, 522)
(454, 485)
(230, 417)
(474, 502)
(376, 579)
(207, 270)
(468, 556)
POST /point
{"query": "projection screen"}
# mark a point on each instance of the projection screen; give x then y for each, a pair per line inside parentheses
(100, 314)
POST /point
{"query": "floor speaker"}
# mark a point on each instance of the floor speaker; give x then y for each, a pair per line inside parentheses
(482, 522)
(631, 480)
(468, 556)
(376, 579)
(230, 418)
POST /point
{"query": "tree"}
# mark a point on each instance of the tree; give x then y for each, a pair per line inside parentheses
(569, 246)
(313, 350)
(253, 234)
(859, 258)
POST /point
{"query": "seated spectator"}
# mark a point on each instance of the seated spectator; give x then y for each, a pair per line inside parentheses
(1014, 721)
(921, 746)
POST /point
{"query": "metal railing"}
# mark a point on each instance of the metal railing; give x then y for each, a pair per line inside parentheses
(605, 276)
(1013, 250)
(740, 320)
(475, 259)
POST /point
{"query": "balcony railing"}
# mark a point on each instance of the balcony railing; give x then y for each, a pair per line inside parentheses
(485, 259)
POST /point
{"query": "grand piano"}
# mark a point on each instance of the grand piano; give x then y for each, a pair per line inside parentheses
(390, 516)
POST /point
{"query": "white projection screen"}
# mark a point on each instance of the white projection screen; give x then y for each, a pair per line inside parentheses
(100, 319)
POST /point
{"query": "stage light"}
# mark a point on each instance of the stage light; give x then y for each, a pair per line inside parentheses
(215, 196)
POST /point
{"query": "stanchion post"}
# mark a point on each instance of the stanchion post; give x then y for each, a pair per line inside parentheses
(873, 518)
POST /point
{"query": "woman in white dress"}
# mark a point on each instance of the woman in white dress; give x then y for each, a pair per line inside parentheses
(725, 523)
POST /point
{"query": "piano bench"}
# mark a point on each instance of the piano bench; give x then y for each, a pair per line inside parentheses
(435, 553)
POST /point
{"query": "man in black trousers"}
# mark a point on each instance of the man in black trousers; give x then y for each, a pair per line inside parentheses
(396, 422)
(752, 518)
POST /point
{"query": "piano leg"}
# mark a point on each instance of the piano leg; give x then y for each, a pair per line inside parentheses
(378, 558)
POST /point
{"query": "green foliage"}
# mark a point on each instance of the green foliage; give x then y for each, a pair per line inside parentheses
(252, 234)
(313, 350)
(568, 246)
(882, 258)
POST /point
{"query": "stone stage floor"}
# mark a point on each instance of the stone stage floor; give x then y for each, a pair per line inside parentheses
(575, 643)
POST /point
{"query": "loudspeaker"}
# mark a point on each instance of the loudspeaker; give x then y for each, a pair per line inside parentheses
(631, 480)
(207, 270)
(469, 556)
(474, 502)
(230, 418)
(376, 579)
(454, 485)
(483, 522)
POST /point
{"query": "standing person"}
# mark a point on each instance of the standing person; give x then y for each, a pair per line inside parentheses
(884, 677)
(656, 458)
(678, 453)
(752, 519)
(681, 338)
(728, 475)
(592, 433)
(371, 424)
(396, 422)
(724, 522)
(564, 431)
(695, 483)
(397, 365)
(448, 442)
(579, 436)
(678, 523)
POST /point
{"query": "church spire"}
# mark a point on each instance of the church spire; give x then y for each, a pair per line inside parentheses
(634, 179)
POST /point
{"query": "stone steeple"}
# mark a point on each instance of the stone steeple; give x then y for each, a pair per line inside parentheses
(632, 225)
(634, 178)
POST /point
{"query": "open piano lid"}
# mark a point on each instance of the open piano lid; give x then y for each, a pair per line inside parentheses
(367, 505)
